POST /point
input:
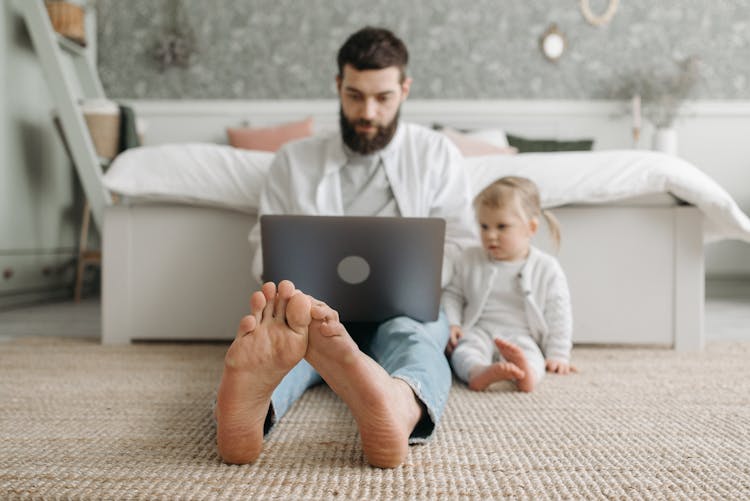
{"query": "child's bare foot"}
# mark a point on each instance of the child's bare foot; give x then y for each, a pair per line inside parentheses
(269, 343)
(499, 371)
(514, 355)
(385, 408)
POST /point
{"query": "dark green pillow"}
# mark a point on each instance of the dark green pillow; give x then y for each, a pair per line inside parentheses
(525, 145)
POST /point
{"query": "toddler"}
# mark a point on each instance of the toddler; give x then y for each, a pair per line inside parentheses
(508, 303)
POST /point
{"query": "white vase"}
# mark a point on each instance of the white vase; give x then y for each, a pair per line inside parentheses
(665, 140)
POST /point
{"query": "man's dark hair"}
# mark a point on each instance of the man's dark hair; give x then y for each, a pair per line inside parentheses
(373, 49)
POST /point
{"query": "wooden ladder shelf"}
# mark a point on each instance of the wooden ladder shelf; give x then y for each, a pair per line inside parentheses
(67, 89)
(72, 77)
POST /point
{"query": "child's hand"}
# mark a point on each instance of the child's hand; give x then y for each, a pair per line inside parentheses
(560, 367)
(456, 334)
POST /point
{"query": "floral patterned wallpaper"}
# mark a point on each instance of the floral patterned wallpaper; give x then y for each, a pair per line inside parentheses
(460, 49)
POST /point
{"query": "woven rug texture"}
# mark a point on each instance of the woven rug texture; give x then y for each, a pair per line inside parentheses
(83, 421)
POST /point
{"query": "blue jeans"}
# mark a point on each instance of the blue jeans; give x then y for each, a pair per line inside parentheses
(407, 349)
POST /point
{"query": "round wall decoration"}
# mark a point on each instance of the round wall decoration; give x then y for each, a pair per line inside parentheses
(599, 19)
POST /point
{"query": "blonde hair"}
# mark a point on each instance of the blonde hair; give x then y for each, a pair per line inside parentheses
(525, 194)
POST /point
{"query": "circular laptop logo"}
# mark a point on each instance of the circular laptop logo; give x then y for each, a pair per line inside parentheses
(353, 270)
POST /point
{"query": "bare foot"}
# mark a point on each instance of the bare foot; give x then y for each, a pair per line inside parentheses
(500, 371)
(385, 408)
(269, 343)
(515, 356)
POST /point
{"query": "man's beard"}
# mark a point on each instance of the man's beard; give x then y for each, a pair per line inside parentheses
(360, 143)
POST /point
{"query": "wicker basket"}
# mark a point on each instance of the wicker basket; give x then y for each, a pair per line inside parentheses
(67, 19)
(103, 120)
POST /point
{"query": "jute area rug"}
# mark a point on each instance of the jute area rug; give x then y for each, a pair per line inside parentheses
(81, 420)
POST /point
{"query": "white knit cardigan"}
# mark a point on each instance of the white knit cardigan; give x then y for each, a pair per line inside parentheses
(546, 298)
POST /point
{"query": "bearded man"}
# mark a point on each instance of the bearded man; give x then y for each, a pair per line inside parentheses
(393, 376)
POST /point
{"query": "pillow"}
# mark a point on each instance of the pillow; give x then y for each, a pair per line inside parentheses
(469, 146)
(492, 136)
(525, 145)
(269, 138)
(195, 173)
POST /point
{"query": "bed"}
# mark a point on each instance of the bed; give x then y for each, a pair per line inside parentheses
(176, 260)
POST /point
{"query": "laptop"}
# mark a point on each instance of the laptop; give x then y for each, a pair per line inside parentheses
(368, 269)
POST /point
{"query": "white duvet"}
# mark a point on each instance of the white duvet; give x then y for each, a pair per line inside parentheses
(604, 176)
(219, 175)
(192, 173)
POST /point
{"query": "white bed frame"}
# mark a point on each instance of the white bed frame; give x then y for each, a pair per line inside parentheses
(636, 269)
(183, 272)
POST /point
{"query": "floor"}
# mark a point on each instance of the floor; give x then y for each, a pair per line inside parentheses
(728, 310)
(727, 315)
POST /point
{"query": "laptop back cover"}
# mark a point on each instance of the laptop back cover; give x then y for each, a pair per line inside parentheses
(369, 269)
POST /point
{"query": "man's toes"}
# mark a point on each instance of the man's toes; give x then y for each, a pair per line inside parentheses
(298, 313)
(286, 287)
(269, 293)
(283, 293)
(257, 304)
(247, 325)
(269, 290)
(321, 311)
(332, 328)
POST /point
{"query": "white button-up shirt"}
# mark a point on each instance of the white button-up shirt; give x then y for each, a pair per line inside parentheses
(425, 171)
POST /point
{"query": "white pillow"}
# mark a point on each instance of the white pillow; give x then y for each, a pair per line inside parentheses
(194, 173)
(495, 137)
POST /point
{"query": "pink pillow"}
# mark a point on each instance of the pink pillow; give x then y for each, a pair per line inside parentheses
(269, 138)
(472, 147)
